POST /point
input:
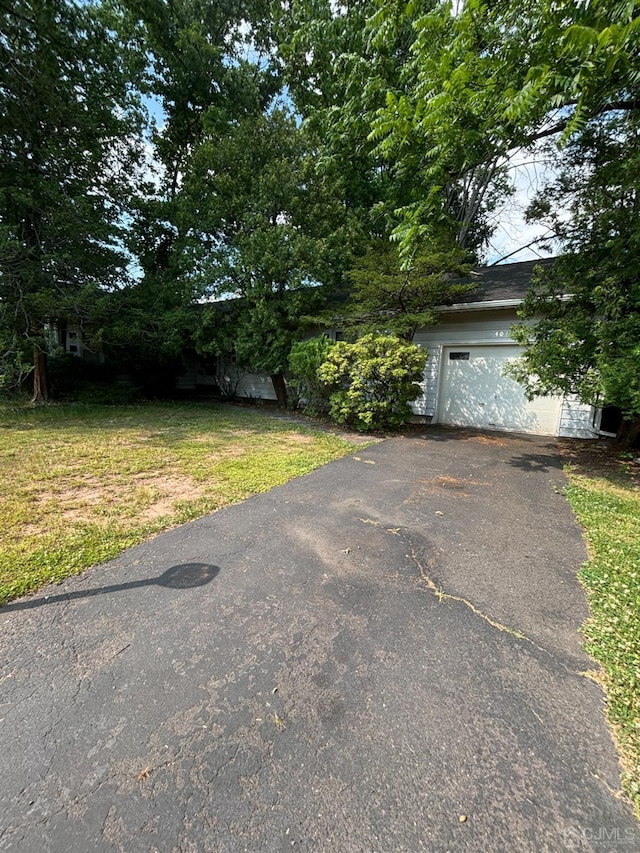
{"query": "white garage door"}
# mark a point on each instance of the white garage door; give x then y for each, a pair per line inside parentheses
(473, 392)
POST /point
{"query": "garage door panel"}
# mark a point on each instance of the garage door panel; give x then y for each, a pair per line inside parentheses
(475, 393)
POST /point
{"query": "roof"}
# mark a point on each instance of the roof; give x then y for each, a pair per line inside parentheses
(503, 286)
(504, 282)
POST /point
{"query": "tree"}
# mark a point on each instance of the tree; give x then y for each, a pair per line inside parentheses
(69, 122)
(589, 344)
(492, 79)
(340, 77)
(257, 231)
(195, 77)
(305, 360)
(484, 81)
(391, 297)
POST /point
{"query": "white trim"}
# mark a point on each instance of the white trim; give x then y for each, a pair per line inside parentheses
(479, 306)
(489, 304)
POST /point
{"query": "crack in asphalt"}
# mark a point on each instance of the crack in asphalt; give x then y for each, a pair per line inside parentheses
(441, 595)
(447, 596)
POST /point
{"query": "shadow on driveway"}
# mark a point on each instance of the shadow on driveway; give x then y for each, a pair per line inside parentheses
(182, 576)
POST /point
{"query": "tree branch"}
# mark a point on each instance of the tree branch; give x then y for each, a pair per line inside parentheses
(548, 236)
(615, 106)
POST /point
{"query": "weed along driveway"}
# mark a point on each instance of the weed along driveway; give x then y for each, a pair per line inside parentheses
(380, 656)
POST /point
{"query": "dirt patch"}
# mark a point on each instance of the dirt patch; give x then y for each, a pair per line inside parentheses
(489, 439)
(92, 493)
(602, 459)
(172, 490)
(456, 482)
(299, 438)
(456, 485)
(77, 503)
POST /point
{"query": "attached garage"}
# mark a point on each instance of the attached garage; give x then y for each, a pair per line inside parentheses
(475, 393)
(464, 382)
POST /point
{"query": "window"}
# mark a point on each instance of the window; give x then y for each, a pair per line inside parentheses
(458, 356)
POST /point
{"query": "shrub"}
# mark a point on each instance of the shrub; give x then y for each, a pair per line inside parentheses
(305, 359)
(15, 367)
(373, 381)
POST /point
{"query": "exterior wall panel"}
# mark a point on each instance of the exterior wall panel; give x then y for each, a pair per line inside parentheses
(577, 419)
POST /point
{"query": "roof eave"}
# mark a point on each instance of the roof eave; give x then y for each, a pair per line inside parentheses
(488, 304)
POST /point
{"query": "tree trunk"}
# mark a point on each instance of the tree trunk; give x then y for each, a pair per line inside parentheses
(629, 433)
(40, 379)
(280, 387)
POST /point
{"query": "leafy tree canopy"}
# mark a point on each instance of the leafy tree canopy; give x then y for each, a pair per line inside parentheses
(69, 120)
(589, 344)
(258, 233)
(483, 80)
(486, 80)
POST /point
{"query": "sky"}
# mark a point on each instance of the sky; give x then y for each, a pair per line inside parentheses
(514, 236)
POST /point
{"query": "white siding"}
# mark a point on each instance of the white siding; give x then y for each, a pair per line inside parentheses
(459, 329)
(490, 327)
(576, 419)
(426, 404)
(255, 386)
(486, 327)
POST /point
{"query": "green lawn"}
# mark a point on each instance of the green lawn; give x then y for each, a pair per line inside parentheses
(79, 483)
(609, 509)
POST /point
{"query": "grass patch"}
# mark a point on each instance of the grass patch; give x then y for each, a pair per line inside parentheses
(608, 507)
(80, 483)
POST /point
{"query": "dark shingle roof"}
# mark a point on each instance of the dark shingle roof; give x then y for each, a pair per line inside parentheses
(506, 281)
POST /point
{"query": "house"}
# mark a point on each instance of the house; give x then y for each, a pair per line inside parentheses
(463, 383)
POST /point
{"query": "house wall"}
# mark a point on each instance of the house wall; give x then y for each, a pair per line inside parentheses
(578, 420)
(488, 327)
(255, 386)
(472, 327)
(251, 386)
(226, 377)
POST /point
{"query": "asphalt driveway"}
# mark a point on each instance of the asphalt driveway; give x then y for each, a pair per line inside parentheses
(381, 656)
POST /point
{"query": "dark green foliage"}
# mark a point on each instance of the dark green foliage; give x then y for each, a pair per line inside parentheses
(78, 379)
(338, 79)
(305, 360)
(589, 344)
(373, 380)
(258, 203)
(194, 69)
(15, 364)
(491, 79)
(391, 297)
(68, 158)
